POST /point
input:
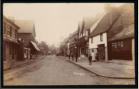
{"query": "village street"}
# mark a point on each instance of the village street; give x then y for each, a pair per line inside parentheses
(56, 70)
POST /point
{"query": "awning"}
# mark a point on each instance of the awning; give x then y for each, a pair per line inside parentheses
(35, 45)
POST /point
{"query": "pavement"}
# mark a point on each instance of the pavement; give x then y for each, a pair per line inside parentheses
(24, 62)
(9, 74)
(121, 69)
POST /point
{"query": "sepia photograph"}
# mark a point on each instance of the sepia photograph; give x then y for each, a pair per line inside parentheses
(68, 44)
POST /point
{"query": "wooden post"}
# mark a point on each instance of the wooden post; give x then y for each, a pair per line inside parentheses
(133, 50)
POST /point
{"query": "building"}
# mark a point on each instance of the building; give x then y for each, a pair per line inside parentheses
(84, 33)
(10, 42)
(121, 45)
(112, 24)
(121, 35)
(98, 38)
(72, 42)
(27, 33)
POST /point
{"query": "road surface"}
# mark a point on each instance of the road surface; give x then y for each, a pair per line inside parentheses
(55, 70)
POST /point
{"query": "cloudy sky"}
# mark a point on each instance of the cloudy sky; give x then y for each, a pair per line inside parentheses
(53, 21)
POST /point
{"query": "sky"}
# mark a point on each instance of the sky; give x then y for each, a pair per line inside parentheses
(53, 21)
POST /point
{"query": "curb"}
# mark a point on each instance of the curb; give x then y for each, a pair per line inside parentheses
(99, 74)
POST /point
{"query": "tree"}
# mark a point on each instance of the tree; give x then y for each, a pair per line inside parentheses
(44, 47)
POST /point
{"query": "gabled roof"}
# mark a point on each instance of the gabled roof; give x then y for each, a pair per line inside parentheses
(106, 22)
(26, 26)
(127, 32)
(126, 18)
(96, 23)
(88, 22)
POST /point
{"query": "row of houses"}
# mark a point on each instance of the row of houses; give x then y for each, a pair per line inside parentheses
(109, 35)
(18, 41)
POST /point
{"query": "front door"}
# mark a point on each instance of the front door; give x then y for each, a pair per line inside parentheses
(101, 52)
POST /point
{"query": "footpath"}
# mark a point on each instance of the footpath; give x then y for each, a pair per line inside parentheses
(119, 69)
(19, 68)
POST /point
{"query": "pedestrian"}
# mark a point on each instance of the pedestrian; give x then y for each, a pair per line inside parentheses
(76, 55)
(90, 58)
(93, 56)
(68, 53)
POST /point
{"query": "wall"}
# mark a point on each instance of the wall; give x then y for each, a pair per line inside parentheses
(27, 37)
(10, 31)
(121, 51)
(96, 41)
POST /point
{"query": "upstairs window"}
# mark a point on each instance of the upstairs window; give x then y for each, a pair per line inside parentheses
(15, 34)
(8, 29)
(101, 37)
(92, 40)
(4, 28)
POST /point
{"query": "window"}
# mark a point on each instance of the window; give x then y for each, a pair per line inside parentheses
(114, 45)
(101, 37)
(92, 40)
(15, 34)
(122, 44)
(4, 28)
(8, 29)
(119, 44)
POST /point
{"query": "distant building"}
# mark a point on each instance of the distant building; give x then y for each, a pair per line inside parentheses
(10, 43)
(27, 33)
(84, 33)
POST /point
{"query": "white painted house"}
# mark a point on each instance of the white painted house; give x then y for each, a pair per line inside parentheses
(98, 37)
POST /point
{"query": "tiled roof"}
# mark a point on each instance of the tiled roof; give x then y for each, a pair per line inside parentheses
(88, 22)
(126, 18)
(127, 32)
(96, 23)
(106, 22)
